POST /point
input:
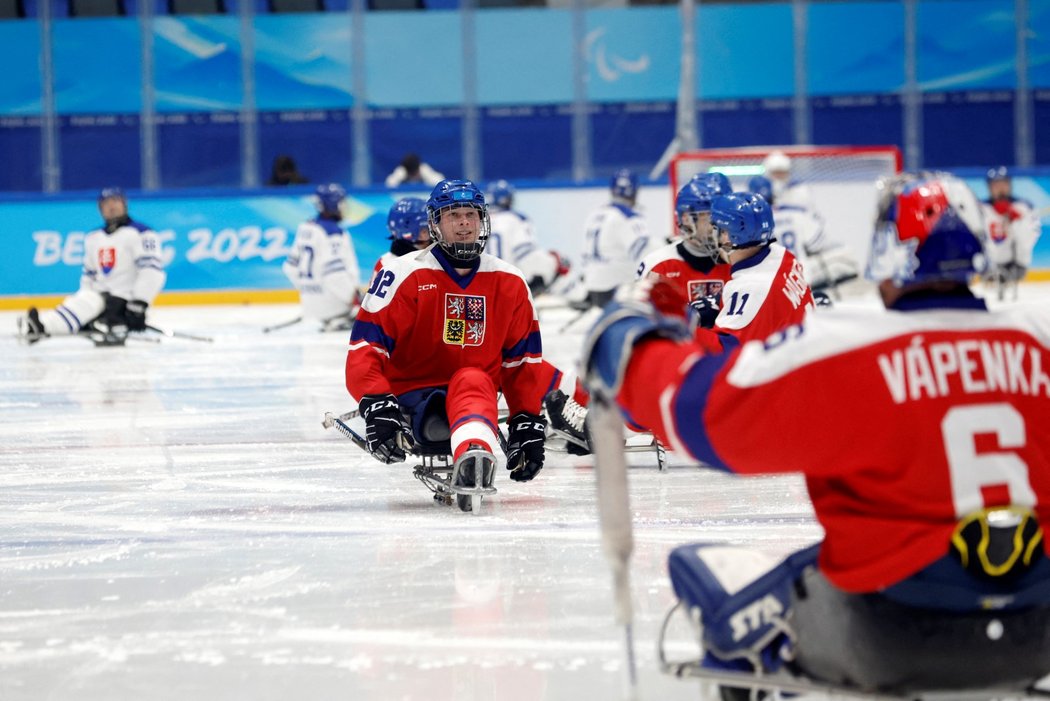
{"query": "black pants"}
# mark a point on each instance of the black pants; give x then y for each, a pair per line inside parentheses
(865, 640)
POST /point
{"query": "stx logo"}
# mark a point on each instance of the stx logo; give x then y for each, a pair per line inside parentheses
(752, 617)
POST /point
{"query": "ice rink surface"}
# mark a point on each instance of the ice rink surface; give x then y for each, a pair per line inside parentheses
(176, 524)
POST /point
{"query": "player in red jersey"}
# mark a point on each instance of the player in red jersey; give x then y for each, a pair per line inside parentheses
(768, 290)
(924, 446)
(439, 334)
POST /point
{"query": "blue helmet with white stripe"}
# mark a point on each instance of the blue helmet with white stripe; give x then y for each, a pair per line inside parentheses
(112, 192)
(745, 217)
(330, 198)
(624, 185)
(407, 218)
(451, 229)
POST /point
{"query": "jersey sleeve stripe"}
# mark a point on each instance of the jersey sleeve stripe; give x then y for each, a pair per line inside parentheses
(371, 333)
(690, 404)
(530, 345)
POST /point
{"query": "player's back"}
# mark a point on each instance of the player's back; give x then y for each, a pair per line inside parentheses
(767, 292)
(616, 240)
(511, 236)
(903, 423)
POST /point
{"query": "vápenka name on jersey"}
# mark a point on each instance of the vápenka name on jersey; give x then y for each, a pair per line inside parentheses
(970, 366)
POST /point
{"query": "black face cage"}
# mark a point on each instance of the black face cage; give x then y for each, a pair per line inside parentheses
(464, 252)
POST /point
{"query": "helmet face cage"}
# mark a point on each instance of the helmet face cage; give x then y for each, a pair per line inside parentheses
(450, 195)
(693, 216)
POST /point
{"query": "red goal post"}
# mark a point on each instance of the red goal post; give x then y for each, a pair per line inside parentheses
(808, 163)
(841, 179)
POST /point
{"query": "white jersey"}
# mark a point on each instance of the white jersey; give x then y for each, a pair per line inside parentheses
(125, 263)
(801, 230)
(1013, 229)
(617, 240)
(513, 240)
(323, 267)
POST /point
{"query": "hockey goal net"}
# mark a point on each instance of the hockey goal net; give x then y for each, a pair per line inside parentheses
(841, 178)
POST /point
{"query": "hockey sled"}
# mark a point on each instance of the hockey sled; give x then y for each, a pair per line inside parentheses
(741, 625)
(464, 482)
(643, 442)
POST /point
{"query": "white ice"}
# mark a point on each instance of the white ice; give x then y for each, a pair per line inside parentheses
(176, 524)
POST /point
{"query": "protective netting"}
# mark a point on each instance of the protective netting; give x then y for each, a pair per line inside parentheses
(811, 164)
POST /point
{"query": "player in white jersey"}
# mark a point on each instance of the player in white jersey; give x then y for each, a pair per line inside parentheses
(323, 265)
(1013, 229)
(513, 240)
(800, 229)
(617, 240)
(122, 275)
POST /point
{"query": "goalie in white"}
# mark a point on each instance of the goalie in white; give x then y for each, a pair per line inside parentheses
(122, 275)
(323, 264)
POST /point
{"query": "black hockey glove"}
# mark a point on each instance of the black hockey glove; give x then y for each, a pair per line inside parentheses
(387, 434)
(113, 314)
(706, 309)
(525, 446)
(135, 315)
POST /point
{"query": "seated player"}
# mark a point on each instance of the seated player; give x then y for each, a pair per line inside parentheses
(122, 275)
(1013, 229)
(513, 240)
(929, 468)
(438, 336)
(323, 265)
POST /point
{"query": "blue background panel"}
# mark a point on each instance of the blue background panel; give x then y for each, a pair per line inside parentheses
(966, 45)
(98, 66)
(205, 149)
(630, 135)
(20, 56)
(99, 150)
(414, 59)
(20, 146)
(526, 142)
(290, 78)
(746, 123)
(1039, 44)
(198, 64)
(320, 141)
(436, 135)
(855, 48)
(869, 120)
(958, 131)
(632, 56)
(519, 72)
(765, 69)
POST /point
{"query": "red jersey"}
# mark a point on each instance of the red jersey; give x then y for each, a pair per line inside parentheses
(421, 321)
(693, 276)
(768, 292)
(902, 423)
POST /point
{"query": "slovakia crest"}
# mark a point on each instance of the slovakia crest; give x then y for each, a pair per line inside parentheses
(464, 320)
(107, 259)
(699, 289)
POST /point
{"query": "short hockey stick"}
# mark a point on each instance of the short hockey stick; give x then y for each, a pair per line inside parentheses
(283, 325)
(180, 334)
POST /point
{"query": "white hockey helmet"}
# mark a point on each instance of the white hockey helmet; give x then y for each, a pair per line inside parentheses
(776, 162)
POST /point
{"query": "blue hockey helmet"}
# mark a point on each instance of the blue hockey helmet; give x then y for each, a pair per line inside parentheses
(691, 205)
(450, 195)
(997, 173)
(330, 198)
(745, 217)
(112, 192)
(407, 218)
(624, 185)
(501, 194)
(715, 180)
(761, 185)
(928, 229)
